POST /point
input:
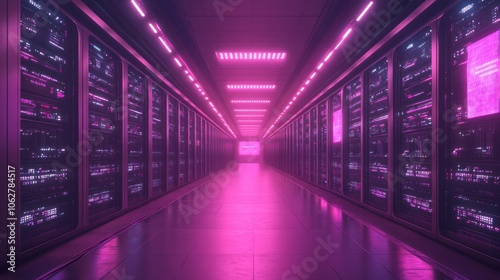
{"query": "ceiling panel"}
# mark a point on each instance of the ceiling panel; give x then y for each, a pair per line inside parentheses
(260, 25)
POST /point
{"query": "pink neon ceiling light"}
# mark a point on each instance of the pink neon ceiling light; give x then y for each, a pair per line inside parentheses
(250, 101)
(364, 11)
(138, 8)
(153, 28)
(250, 55)
(251, 86)
(250, 110)
(321, 64)
(138, 5)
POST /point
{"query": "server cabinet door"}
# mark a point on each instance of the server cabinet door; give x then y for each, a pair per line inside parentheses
(352, 184)
(336, 124)
(377, 134)
(159, 140)
(471, 190)
(49, 127)
(413, 132)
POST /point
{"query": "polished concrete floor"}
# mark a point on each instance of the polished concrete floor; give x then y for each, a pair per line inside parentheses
(251, 223)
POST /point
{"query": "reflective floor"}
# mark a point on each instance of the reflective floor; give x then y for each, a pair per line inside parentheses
(250, 223)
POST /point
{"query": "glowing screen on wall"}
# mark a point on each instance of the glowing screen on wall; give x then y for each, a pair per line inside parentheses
(483, 87)
(249, 148)
(337, 126)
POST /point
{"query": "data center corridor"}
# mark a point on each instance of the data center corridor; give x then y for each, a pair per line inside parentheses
(254, 223)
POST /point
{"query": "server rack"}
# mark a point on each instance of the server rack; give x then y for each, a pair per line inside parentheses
(191, 146)
(300, 148)
(105, 126)
(471, 181)
(314, 146)
(413, 115)
(159, 143)
(183, 145)
(69, 123)
(377, 95)
(352, 95)
(211, 153)
(336, 129)
(198, 148)
(307, 146)
(295, 151)
(136, 136)
(442, 127)
(287, 140)
(173, 143)
(288, 148)
(204, 160)
(323, 144)
(49, 127)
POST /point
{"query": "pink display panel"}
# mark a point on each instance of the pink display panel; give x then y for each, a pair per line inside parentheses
(483, 86)
(337, 126)
(250, 148)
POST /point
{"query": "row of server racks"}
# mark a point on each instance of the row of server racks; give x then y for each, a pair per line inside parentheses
(416, 135)
(93, 135)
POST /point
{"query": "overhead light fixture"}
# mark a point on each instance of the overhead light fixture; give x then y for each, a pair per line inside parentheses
(250, 55)
(249, 116)
(249, 120)
(250, 110)
(364, 11)
(251, 86)
(178, 62)
(153, 28)
(343, 38)
(250, 101)
(165, 44)
(328, 56)
(138, 8)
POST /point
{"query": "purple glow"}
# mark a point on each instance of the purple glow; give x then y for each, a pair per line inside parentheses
(483, 88)
(337, 126)
(251, 148)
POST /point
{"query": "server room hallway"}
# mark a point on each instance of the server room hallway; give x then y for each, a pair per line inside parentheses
(254, 223)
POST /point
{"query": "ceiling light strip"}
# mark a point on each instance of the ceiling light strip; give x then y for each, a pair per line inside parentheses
(138, 8)
(250, 110)
(321, 64)
(138, 5)
(251, 86)
(250, 101)
(364, 11)
(250, 55)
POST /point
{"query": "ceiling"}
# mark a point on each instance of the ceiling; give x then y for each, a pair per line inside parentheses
(253, 26)
(198, 29)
